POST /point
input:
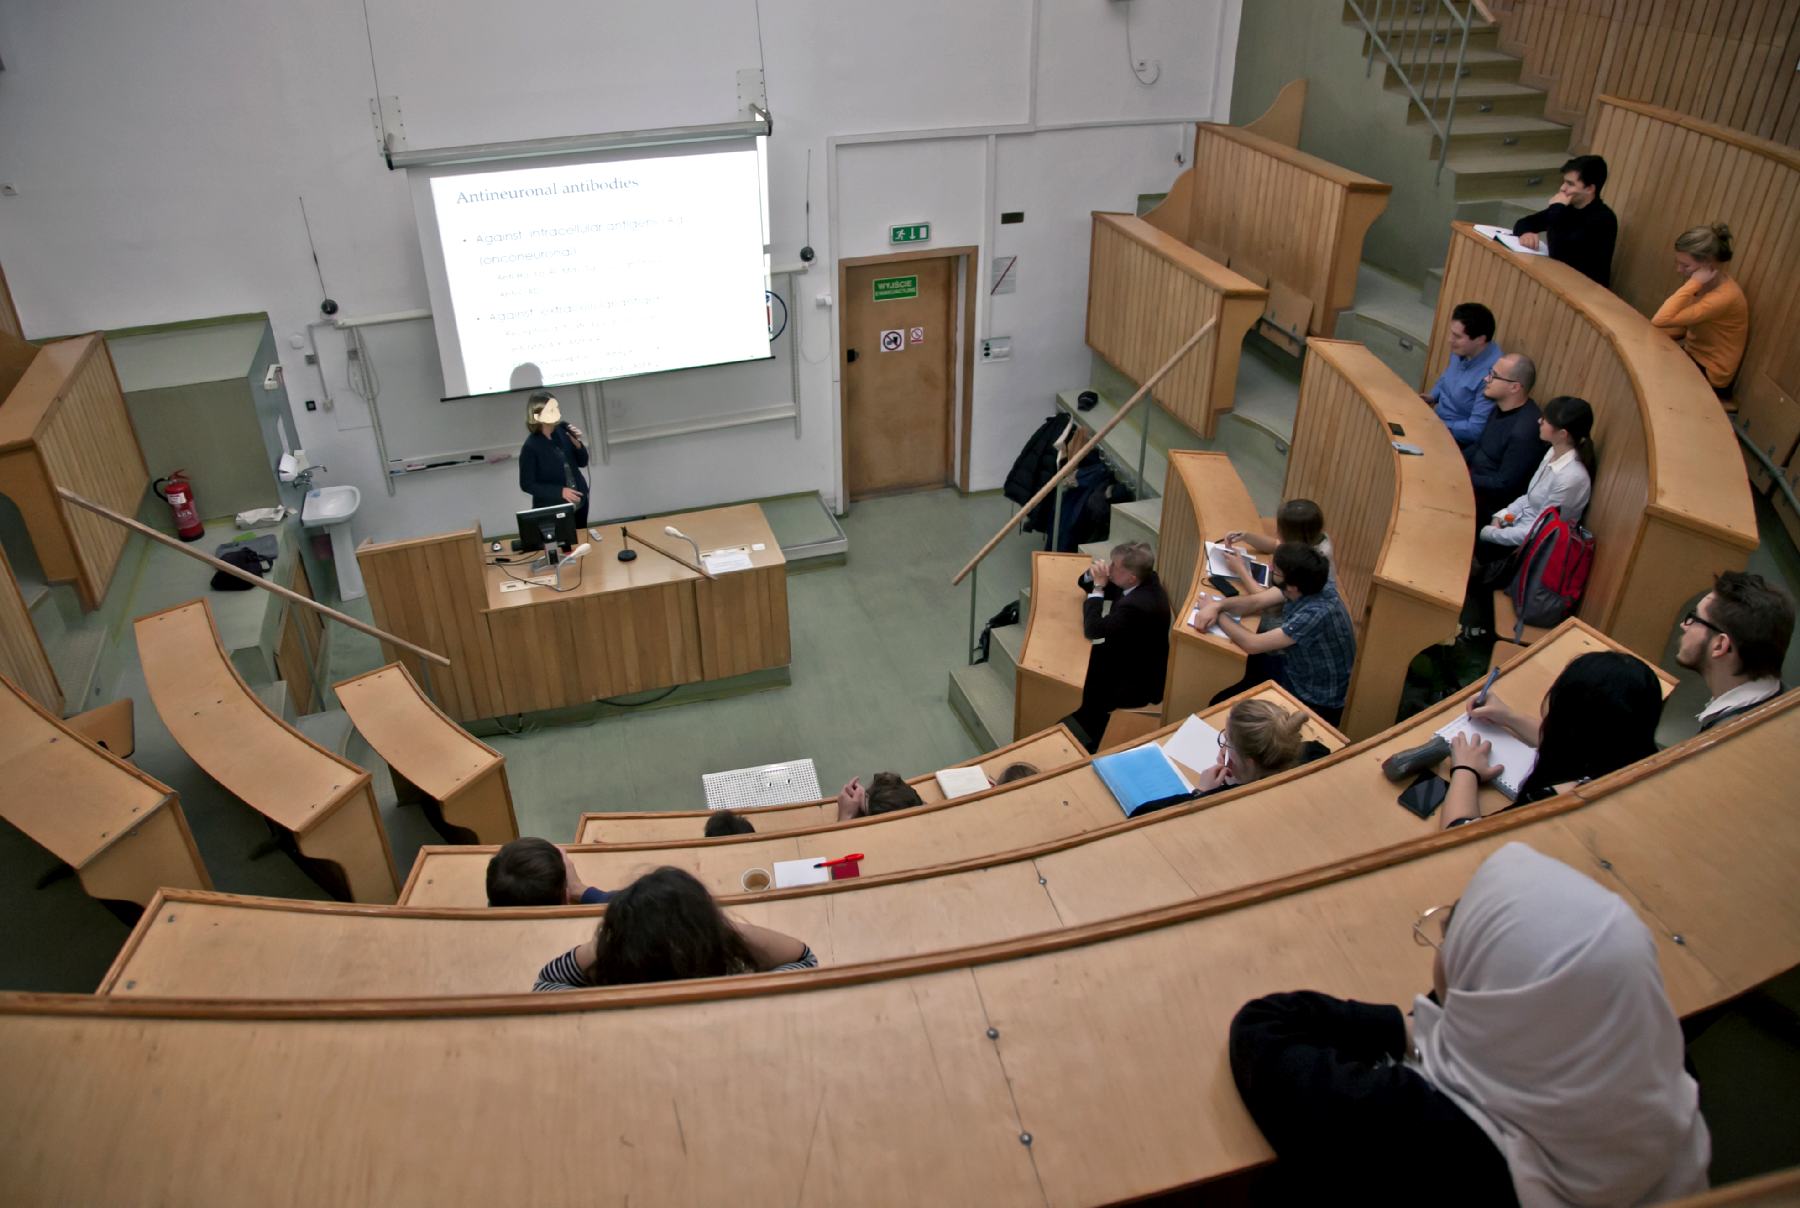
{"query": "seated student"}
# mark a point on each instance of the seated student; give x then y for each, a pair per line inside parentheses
(1016, 771)
(725, 822)
(664, 926)
(1299, 520)
(1580, 228)
(1315, 644)
(1260, 739)
(536, 872)
(1598, 716)
(886, 792)
(1736, 637)
(1503, 457)
(1545, 1068)
(1130, 656)
(1709, 315)
(1459, 397)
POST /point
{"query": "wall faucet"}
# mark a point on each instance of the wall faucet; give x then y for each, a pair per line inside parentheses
(304, 479)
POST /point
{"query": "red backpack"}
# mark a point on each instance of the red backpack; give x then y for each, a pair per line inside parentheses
(1553, 572)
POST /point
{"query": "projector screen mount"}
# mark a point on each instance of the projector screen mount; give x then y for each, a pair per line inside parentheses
(761, 125)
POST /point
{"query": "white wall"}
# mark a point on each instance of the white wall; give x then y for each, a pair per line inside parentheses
(159, 152)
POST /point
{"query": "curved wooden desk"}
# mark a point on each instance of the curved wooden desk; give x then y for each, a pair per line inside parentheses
(979, 1048)
(122, 831)
(1046, 750)
(1053, 659)
(323, 801)
(1131, 261)
(1751, 183)
(1402, 526)
(1054, 808)
(1336, 810)
(1670, 507)
(459, 779)
(1205, 499)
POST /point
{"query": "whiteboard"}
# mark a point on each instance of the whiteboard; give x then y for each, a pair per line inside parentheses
(420, 426)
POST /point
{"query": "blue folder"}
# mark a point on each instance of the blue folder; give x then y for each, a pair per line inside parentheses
(1142, 776)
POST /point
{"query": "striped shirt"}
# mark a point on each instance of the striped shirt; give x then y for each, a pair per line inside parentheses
(564, 973)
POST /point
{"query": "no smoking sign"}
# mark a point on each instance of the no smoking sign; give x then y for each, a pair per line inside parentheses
(893, 341)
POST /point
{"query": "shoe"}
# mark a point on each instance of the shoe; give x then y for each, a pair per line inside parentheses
(1399, 766)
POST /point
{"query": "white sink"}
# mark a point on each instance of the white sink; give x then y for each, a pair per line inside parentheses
(331, 508)
(328, 505)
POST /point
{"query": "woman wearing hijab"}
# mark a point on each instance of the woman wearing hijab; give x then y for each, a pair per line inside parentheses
(1545, 1069)
(1599, 715)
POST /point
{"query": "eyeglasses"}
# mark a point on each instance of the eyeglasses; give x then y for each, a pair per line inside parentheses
(1693, 617)
(1501, 377)
(1224, 743)
(1440, 917)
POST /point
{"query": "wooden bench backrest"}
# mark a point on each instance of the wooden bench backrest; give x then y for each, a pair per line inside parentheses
(22, 656)
(1666, 173)
(1147, 294)
(1401, 526)
(412, 734)
(1204, 499)
(430, 590)
(1670, 506)
(979, 1048)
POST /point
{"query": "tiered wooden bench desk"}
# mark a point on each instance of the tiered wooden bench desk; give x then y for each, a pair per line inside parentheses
(322, 801)
(122, 831)
(1053, 658)
(1046, 750)
(1206, 499)
(987, 1056)
(460, 780)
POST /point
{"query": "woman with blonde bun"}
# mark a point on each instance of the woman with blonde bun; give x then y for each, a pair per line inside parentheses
(1261, 738)
(1709, 315)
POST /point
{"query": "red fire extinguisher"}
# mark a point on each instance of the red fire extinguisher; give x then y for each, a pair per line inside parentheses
(178, 493)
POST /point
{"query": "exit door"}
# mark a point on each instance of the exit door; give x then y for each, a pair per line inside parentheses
(899, 376)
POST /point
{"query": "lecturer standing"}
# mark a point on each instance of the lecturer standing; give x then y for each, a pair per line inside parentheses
(551, 461)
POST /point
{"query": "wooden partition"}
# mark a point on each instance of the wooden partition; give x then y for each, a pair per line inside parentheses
(1667, 173)
(1053, 658)
(457, 778)
(1204, 499)
(1147, 294)
(1670, 506)
(988, 1054)
(1725, 61)
(1053, 809)
(122, 831)
(64, 424)
(22, 656)
(430, 590)
(1402, 527)
(1047, 750)
(1276, 214)
(322, 801)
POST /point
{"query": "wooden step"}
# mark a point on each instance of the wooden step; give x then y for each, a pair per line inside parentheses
(1485, 97)
(979, 698)
(1498, 174)
(1477, 132)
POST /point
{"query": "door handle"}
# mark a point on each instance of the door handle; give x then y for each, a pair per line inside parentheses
(850, 355)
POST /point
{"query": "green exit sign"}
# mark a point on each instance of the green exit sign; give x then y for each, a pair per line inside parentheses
(895, 289)
(912, 232)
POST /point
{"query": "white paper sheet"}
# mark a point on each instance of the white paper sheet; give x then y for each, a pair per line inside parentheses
(724, 561)
(1510, 241)
(1515, 758)
(1216, 563)
(1194, 746)
(801, 872)
(960, 782)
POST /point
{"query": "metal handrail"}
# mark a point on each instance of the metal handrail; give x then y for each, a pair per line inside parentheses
(1421, 56)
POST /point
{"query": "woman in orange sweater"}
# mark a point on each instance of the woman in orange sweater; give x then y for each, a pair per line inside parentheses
(1708, 316)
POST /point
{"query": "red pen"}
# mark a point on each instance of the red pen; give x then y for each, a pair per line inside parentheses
(840, 860)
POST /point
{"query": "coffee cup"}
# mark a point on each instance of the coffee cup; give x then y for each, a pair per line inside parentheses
(756, 880)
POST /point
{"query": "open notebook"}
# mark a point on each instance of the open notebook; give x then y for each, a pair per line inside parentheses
(1506, 239)
(1515, 758)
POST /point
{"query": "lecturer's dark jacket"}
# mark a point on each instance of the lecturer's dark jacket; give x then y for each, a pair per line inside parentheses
(1128, 667)
(548, 464)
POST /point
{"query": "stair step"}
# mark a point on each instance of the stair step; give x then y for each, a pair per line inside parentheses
(1403, 352)
(75, 657)
(1434, 285)
(981, 702)
(1025, 604)
(1004, 647)
(275, 695)
(1139, 520)
(1099, 551)
(330, 729)
(1477, 97)
(1479, 63)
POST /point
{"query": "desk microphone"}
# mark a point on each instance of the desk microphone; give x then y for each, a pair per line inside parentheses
(580, 551)
(626, 553)
(675, 532)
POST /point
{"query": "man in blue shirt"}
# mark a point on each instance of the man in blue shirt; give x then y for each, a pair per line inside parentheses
(1316, 642)
(1458, 396)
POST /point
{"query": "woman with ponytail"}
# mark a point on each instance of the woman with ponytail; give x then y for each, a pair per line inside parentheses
(1261, 738)
(1708, 316)
(1564, 479)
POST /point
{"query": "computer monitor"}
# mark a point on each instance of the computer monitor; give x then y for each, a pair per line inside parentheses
(552, 525)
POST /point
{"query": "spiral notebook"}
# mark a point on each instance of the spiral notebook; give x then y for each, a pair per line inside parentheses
(1515, 758)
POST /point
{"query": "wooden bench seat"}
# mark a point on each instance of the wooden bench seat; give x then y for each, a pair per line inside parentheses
(460, 780)
(1058, 807)
(979, 1048)
(323, 802)
(1046, 750)
(121, 830)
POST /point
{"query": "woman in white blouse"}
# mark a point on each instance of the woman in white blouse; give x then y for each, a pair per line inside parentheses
(1564, 479)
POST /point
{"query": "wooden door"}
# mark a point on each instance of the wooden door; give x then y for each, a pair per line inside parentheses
(899, 341)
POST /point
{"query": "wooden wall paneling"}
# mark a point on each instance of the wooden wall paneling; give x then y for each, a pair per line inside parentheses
(624, 642)
(429, 590)
(1053, 658)
(1205, 499)
(22, 656)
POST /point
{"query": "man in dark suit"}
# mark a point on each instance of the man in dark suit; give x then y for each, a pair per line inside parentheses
(1130, 658)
